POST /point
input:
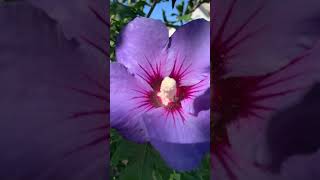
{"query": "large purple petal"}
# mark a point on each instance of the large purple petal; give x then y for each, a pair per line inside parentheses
(85, 20)
(192, 55)
(171, 128)
(182, 157)
(142, 40)
(181, 144)
(252, 36)
(123, 113)
(259, 50)
(39, 68)
(299, 135)
(202, 102)
(190, 46)
(77, 18)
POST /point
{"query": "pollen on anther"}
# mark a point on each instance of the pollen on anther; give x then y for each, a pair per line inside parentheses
(168, 90)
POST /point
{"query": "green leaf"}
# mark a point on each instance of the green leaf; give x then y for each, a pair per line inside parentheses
(141, 166)
(175, 176)
(142, 161)
(131, 161)
(186, 176)
(186, 17)
(140, 4)
(180, 7)
(164, 16)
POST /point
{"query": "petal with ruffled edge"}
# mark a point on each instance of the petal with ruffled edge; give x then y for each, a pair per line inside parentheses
(190, 46)
(189, 60)
(142, 41)
(124, 115)
(193, 134)
(78, 18)
(202, 102)
(182, 157)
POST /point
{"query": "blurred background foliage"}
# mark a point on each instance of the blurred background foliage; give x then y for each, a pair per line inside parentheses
(131, 161)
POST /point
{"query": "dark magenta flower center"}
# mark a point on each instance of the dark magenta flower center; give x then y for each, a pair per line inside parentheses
(167, 91)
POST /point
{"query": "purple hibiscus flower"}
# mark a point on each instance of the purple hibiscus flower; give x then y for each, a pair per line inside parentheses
(246, 89)
(40, 70)
(154, 87)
